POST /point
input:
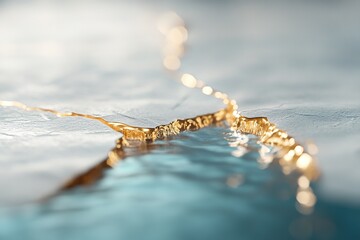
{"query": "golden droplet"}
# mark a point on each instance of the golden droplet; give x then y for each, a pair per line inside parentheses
(299, 150)
(289, 155)
(188, 80)
(303, 182)
(207, 90)
(306, 198)
(304, 161)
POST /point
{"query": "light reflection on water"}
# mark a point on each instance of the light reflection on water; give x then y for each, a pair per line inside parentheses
(189, 187)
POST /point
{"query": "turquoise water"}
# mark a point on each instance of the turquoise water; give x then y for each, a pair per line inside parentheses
(189, 187)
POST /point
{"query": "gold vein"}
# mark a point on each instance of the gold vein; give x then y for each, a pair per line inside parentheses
(292, 156)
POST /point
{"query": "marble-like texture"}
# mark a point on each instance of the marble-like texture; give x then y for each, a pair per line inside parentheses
(299, 65)
(76, 58)
(296, 63)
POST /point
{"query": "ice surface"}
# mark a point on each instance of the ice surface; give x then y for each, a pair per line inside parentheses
(296, 63)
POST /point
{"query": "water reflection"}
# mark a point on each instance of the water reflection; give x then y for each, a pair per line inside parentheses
(189, 186)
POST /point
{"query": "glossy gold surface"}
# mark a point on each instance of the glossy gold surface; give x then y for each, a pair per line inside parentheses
(292, 156)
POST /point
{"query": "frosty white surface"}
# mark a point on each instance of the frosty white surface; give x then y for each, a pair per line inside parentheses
(297, 64)
(84, 57)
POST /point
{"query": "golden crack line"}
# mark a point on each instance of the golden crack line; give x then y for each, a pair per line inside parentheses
(292, 155)
(138, 133)
(143, 136)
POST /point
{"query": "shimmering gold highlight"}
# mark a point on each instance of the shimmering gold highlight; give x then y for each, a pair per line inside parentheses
(138, 133)
(291, 155)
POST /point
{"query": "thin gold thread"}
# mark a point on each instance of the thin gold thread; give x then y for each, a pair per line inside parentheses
(292, 156)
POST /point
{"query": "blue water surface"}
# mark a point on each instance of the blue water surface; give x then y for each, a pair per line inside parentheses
(181, 190)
